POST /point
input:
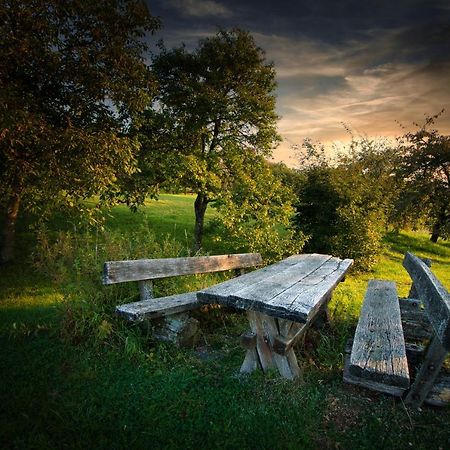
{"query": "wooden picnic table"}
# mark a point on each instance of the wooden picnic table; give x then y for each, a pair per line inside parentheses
(282, 300)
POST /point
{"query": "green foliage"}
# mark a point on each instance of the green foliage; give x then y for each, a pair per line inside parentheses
(256, 212)
(424, 170)
(127, 393)
(72, 75)
(288, 176)
(79, 396)
(343, 208)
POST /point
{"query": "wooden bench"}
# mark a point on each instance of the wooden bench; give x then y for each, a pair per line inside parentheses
(389, 338)
(174, 324)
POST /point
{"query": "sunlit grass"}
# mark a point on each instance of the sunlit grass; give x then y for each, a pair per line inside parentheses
(348, 296)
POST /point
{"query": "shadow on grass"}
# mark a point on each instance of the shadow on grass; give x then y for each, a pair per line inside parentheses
(417, 244)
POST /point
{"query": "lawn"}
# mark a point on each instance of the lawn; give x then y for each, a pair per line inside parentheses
(129, 393)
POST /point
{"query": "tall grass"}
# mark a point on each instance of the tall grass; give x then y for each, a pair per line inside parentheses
(73, 260)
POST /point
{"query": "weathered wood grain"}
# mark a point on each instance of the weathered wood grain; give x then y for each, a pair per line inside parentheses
(413, 290)
(302, 300)
(425, 378)
(415, 323)
(219, 293)
(260, 347)
(248, 340)
(150, 269)
(350, 378)
(378, 352)
(263, 349)
(158, 307)
(283, 343)
(293, 289)
(414, 352)
(251, 361)
(439, 394)
(433, 295)
(281, 280)
(145, 289)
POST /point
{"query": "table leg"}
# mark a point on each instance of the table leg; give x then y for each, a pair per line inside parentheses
(266, 331)
(263, 347)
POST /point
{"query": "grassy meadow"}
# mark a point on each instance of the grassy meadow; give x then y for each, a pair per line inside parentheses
(75, 376)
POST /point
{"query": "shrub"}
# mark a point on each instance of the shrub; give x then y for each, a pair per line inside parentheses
(255, 215)
(343, 208)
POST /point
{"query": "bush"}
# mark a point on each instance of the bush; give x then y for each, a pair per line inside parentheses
(343, 208)
(255, 215)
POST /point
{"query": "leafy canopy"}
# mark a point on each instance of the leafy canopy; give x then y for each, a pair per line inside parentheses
(72, 74)
(424, 170)
(219, 100)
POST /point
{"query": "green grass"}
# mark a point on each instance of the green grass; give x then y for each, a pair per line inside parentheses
(58, 394)
(169, 215)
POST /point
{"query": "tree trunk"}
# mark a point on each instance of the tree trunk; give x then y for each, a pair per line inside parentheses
(435, 232)
(200, 205)
(9, 229)
(438, 224)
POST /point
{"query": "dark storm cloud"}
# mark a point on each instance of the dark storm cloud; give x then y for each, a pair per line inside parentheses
(366, 63)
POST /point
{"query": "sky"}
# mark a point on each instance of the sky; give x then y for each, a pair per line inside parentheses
(372, 65)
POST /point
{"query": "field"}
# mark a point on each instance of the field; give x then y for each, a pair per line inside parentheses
(60, 389)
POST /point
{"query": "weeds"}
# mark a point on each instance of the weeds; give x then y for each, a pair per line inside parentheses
(73, 260)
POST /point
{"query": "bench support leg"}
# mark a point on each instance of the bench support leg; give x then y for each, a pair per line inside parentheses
(180, 329)
(268, 331)
(435, 357)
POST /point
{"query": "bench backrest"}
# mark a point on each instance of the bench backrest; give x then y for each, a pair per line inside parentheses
(433, 295)
(151, 269)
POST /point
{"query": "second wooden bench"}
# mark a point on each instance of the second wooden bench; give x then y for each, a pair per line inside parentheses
(381, 360)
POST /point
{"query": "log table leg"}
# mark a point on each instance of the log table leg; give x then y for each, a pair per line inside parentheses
(269, 345)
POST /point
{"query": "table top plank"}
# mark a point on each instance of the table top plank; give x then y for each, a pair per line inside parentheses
(292, 289)
(315, 284)
(279, 280)
(220, 291)
(303, 299)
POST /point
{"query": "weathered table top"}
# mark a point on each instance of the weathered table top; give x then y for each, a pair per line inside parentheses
(292, 289)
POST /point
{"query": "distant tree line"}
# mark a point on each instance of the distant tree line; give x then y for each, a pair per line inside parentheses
(86, 111)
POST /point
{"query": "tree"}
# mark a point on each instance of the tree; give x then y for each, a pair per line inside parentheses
(425, 171)
(72, 76)
(219, 103)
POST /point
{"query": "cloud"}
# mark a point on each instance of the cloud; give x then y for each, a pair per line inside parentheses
(370, 85)
(199, 8)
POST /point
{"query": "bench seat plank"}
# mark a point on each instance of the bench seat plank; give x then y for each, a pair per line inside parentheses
(378, 352)
(158, 307)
